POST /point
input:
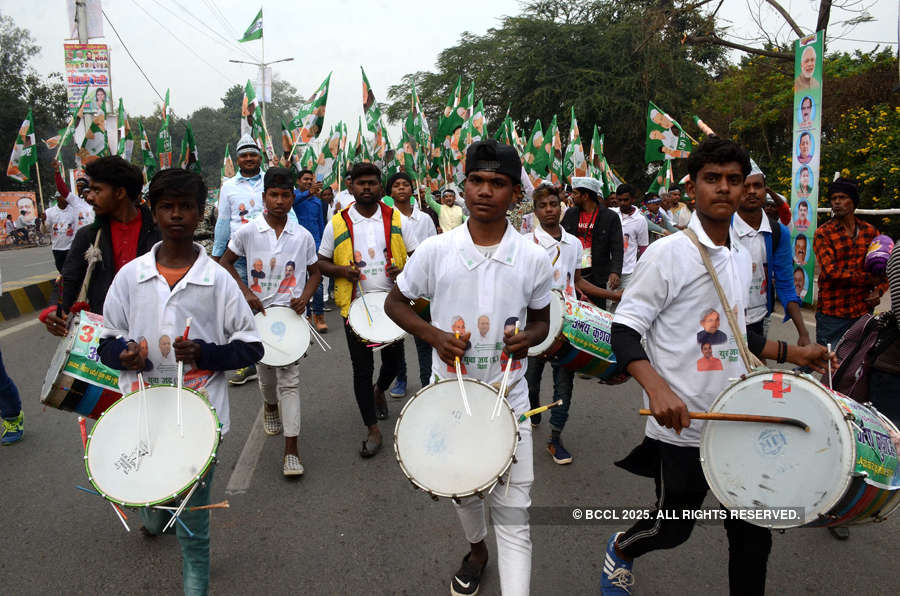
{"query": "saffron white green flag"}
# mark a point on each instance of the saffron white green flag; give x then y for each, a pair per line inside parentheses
(665, 137)
(149, 157)
(189, 157)
(553, 147)
(227, 165)
(24, 153)
(255, 30)
(126, 137)
(310, 119)
(574, 163)
(164, 150)
(250, 122)
(536, 158)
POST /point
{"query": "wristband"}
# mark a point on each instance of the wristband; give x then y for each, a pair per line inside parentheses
(782, 352)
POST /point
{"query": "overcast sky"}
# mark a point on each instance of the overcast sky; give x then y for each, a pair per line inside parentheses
(389, 38)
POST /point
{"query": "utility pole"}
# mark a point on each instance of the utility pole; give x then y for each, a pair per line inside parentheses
(262, 65)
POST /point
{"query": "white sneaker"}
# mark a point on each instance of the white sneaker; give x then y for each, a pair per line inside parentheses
(292, 466)
(271, 421)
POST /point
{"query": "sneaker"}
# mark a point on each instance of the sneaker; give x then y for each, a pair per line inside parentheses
(559, 453)
(12, 429)
(242, 375)
(467, 579)
(292, 466)
(271, 421)
(616, 577)
(399, 389)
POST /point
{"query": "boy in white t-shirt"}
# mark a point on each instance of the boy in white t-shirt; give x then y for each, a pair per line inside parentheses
(62, 220)
(275, 246)
(691, 354)
(148, 304)
(478, 276)
(564, 251)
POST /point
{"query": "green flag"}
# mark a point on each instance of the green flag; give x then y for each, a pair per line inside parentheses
(329, 159)
(574, 163)
(451, 119)
(310, 119)
(227, 165)
(595, 158)
(24, 153)
(147, 154)
(254, 31)
(309, 159)
(189, 156)
(370, 108)
(250, 122)
(553, 146)
(536, 158)
(164, 139)
(665, 137)
(126, 138)
(703, 126)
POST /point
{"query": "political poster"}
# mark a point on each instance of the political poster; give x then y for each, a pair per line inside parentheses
(87, 65)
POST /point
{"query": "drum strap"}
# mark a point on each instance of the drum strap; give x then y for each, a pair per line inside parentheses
(92, 255)
(750, 361)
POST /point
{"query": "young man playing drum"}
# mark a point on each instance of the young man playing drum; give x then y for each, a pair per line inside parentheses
(485, 267)
(282, 244)
(155, 295)
(663, 304)
(370, 228)
(564, 251)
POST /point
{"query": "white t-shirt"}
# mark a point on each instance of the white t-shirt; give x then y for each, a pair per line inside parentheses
(276, 267)
(419, 224)
(528, 223)
(668, 296)
(473, 292)
(84, 211)
(140, 306)
(635, 233)
(370, 250)
(62, 224)
(755, 243)
(564, 255)
(343, 200)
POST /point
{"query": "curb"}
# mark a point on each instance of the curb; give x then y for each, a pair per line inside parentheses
(22, 301)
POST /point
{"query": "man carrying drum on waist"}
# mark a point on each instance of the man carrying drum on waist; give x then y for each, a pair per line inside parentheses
(480, 275)
(688, 361)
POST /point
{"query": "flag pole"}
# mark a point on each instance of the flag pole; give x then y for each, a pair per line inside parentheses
(37, 169)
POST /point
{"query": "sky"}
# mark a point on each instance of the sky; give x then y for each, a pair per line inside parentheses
(389, 38)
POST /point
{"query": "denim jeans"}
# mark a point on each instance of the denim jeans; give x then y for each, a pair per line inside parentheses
(317, 306)
(424, 353)
(10, 404)
(240, 264)
(194, 549)
(830, 330)
(563, 381)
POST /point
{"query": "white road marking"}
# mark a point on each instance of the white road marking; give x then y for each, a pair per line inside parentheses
(240, 478)
(19, 327)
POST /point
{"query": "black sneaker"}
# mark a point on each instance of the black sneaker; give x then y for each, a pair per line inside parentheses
(467, 579)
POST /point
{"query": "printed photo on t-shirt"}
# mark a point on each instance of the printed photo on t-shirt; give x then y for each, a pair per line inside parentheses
(458, 326)
(289, 282)
(257, 274)
(509, 327)
(165, 349)
(707, 361)
(710, 332)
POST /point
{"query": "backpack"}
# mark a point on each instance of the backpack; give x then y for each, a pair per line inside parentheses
(858, 350)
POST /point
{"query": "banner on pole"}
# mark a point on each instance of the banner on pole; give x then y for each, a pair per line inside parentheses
(87, 66)
(805, 155)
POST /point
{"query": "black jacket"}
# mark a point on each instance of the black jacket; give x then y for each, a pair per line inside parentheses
(606, 242)
(75, 267)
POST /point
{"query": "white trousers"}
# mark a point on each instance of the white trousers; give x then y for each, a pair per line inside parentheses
(281, 385)
(508, 510)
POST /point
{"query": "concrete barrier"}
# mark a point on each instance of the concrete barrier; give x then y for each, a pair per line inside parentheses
(27, 299)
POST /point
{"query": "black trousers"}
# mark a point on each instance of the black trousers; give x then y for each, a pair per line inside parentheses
(680, 485)
(59, 257)
(363, 360)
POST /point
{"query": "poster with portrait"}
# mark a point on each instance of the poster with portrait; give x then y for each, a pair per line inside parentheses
(87, 65)
(18, 203)
(805, 156)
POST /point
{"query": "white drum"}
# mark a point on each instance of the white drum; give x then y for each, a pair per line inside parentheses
(448, 453)
(381, 329)
(169, 465)
(554, 334)
(285, 335)
(844, 470)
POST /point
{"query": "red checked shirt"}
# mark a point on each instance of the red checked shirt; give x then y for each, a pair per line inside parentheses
(843, 283)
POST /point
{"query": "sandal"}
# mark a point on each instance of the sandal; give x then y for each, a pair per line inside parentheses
(370, 448)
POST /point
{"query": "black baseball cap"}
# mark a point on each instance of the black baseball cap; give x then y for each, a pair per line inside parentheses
(278, 177)
(490, 156)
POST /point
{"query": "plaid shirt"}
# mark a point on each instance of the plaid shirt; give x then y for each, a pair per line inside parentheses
(843, 283)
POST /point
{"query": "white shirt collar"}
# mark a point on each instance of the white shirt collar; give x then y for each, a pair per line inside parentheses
(548, 241)
(744, 229)
(201, 273)
(263, 226)
(472, 257)
(733, 237)
(357, 217)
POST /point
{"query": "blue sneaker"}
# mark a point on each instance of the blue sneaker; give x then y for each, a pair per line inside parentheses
(560, 454)
(616, 577)
(398, 391)
(12, 429)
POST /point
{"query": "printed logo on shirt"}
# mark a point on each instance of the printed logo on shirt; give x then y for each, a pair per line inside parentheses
(485, 351)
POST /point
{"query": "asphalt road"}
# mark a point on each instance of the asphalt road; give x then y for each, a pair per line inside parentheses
(353, 526)
(22, 266)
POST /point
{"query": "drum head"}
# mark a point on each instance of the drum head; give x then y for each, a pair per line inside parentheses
(445, 451)
(556, 323)
(285, 335)
(174, 463)
(758, 465)
(381, 329)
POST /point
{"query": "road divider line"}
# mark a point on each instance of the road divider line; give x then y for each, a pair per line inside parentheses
(242, 475)
(19, 327)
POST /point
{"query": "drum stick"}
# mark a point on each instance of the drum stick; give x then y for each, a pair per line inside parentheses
(221, 505)
(462, 385)
(145, 407)
(121, 515)
(187, 328)
(83, 426)
(276, 348)
(316, 335)
(504, 384)
(829, 366)
(366, 306)
(531, 413)
(181, 506)
(739, 418)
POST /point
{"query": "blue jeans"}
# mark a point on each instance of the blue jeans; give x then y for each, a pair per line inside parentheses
(10, 404)
(317, 307)
(884, 393)
(563, 381)
(240, 264)
(830, 330)
(424, 353)
(194, 549)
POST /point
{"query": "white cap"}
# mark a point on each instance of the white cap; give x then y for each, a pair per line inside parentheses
(591, 184)
(754, 169)
(247, 145)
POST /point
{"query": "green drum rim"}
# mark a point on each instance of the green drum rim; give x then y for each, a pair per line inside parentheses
(87, 446)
